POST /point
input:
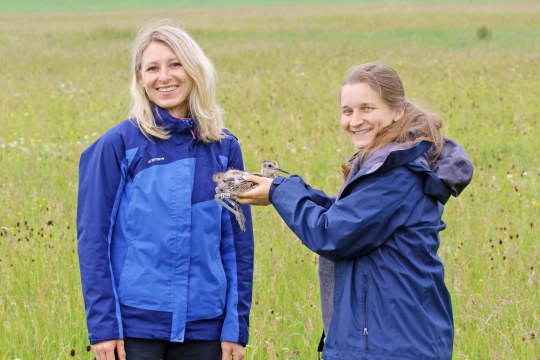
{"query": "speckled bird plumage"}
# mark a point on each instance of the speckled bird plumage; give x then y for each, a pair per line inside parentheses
(230, 183)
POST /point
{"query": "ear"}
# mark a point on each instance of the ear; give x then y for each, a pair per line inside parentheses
(398, 114)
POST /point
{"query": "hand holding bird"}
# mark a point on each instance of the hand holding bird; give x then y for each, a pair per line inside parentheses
(231, 183)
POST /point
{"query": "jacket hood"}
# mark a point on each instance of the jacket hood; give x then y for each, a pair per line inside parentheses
(448, 175)
(453, 167)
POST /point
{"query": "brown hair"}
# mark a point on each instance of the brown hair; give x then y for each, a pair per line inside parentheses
(415, 126)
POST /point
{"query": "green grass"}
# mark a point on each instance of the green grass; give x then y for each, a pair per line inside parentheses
(65, 81)
(34, 6)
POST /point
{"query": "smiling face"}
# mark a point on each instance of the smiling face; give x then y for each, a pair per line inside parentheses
(363, 113)
(164, 79)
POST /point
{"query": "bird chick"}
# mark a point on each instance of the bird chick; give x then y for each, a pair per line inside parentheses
(230, 183)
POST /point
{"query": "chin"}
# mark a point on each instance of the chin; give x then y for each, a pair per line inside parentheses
(360, 144)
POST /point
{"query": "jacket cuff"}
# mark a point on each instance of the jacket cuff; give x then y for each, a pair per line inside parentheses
(277, 181)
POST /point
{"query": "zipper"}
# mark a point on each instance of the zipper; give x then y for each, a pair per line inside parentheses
(365, 312)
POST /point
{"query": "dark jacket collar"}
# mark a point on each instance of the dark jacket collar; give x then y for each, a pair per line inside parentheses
(172, 124)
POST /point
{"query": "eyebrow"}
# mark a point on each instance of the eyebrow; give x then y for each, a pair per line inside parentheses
(361, 104)
(152, 61)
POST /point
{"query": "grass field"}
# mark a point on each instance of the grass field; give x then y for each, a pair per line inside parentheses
(34, 6)
(65, 79)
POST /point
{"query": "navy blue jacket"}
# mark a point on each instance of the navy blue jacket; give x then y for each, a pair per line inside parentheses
(382, 232)
(159, 258)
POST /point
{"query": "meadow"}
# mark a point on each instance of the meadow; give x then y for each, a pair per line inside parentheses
(65, 80)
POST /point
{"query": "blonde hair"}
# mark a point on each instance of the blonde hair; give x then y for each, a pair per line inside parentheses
(202, 104)
(415, 126)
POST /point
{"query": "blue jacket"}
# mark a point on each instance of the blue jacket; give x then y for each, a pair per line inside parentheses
(159, 258)
(382, 232)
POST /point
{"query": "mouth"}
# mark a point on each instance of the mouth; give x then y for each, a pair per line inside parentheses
(361, 132)
(168, 89)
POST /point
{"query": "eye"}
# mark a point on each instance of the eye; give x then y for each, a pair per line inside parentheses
(176, 65)
(151, 68)
(346, 111)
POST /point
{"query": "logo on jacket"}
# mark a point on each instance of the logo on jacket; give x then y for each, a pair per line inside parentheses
(156, 159)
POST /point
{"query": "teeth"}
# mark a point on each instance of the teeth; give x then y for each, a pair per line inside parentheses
(362, 131)
(170, 88)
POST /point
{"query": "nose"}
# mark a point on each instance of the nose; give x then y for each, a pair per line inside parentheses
(356, 119)
(164, 74)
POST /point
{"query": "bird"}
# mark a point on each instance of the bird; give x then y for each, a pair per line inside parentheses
(230, 183)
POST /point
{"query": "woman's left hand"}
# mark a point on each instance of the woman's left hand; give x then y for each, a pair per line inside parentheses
(259, 195)
(231, 351)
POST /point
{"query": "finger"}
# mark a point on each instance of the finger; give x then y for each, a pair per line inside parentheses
(120, 350)
(225, 351)
(110, 354)
(243, 201)
(239, 355)
(253, 178)
(248, 194)
(97, 354)
(225, 355)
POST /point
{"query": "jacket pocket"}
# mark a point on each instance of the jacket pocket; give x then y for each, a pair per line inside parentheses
(139, 282)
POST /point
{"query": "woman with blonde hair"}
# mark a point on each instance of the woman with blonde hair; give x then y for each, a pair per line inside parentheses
(383, 294)
(166, 273)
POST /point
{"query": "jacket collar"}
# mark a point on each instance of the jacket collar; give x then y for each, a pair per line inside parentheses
(449, 175)
(172, 124)
(387, 157)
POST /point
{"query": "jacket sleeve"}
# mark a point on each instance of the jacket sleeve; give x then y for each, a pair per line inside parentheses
(237, 251)
(99, 186)
(353, 226)
(318, 197)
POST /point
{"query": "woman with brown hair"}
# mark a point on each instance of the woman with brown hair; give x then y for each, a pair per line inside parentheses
(383, 294)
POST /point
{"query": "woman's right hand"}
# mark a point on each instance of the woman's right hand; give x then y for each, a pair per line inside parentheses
(105, 350)
(259, 195)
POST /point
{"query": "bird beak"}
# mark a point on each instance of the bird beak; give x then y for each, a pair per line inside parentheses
(283, 171)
